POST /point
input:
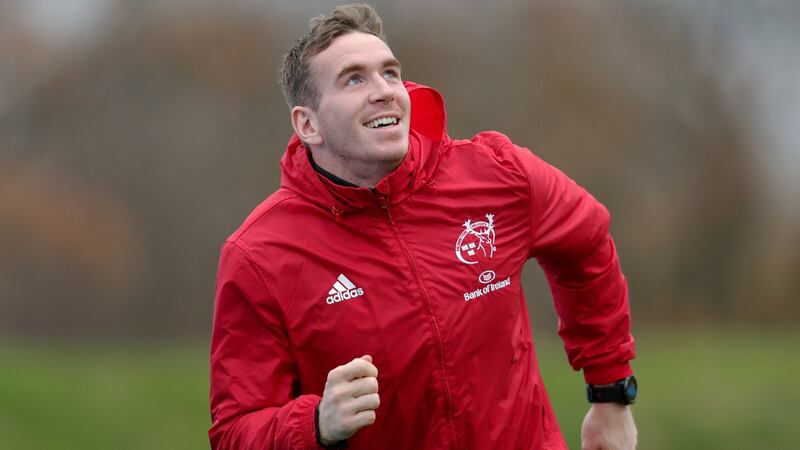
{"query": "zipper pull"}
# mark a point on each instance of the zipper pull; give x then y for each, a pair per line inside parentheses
(382, 198)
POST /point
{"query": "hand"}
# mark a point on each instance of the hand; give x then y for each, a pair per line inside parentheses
(349, 400)
(608, 426)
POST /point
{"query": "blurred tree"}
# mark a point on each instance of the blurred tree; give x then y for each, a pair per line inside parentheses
(126, 162)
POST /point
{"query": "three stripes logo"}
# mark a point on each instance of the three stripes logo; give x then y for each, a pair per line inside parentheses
(343, 289)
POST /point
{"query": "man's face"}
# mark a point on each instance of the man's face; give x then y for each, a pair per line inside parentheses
(364, 110)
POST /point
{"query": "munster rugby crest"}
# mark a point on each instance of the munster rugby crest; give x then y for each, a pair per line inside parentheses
(476, 242)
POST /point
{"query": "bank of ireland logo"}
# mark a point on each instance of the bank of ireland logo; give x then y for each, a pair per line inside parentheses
(476, 241)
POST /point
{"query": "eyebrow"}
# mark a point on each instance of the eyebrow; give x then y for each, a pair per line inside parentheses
(360, 67)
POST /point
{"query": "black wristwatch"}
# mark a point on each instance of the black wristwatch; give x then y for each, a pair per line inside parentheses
(623, 391)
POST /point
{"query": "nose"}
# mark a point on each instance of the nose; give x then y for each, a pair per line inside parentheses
(382, 91)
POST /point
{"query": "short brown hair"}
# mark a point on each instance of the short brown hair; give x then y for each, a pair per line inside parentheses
(296, 81)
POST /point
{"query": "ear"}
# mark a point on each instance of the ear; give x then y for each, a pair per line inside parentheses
(304, 121)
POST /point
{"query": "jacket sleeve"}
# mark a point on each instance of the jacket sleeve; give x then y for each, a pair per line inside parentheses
(571, 242)
(253, 375)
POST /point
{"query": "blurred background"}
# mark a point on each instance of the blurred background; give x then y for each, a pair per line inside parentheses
(135, 136)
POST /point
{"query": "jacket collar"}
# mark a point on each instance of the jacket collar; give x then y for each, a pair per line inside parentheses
(426, 135)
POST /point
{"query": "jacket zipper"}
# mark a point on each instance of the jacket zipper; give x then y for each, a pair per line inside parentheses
(448, 397)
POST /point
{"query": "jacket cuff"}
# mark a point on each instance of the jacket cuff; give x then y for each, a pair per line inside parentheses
(306, 433)
(607, 374)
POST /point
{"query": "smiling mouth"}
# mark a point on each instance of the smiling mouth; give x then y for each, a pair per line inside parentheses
(382, 122)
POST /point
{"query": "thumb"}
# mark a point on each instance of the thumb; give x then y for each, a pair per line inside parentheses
(367, 358)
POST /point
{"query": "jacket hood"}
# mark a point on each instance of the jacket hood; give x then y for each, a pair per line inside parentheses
(426, 135)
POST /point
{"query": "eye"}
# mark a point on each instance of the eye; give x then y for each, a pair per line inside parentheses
(354, 80)
(391, 74)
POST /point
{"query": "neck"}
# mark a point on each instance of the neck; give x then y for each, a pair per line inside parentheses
(359, 173)
(327, 174)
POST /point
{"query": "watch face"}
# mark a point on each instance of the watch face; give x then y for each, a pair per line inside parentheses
(631, 388)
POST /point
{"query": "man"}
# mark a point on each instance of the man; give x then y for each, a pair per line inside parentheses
(374, 300)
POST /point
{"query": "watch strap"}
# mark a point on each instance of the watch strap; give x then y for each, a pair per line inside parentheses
(623, 391)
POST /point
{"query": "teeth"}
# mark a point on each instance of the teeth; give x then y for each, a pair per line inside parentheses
(382, 121)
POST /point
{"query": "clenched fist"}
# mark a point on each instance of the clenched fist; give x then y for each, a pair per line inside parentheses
(349, 400)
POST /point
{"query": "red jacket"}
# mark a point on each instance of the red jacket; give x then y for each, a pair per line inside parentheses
(423, 273)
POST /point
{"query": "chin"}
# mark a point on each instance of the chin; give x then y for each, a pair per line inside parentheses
(394, 153)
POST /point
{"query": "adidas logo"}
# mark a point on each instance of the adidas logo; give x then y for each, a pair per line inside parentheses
(343, 289)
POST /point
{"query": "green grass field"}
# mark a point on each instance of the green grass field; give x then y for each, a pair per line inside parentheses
(721, 389)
